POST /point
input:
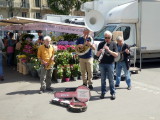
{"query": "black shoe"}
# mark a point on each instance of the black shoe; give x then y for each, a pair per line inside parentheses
(102, 96)
(84, 84)
(116, 85)
(90, 87)
(49, 89)
(113, 97)
(129, 87)
(41, 91)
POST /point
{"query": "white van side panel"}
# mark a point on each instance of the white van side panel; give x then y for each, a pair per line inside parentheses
(150, 26)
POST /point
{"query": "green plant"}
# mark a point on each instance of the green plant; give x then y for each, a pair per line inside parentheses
(59, 71)
(70, 37)
(57, 38)
(26, 35)
(63, 58)
(75, 70)
(35, 62)
(67, 71)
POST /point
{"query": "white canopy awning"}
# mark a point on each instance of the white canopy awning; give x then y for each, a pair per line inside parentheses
(20, 23)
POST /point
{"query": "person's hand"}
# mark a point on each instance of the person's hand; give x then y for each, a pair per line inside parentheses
(88, 43)
(100, 51)
(45, 63)
(80, 45)
(52, 58)
(106, 48)
(127, 51)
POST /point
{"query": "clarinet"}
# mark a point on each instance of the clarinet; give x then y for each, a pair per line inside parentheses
(102, 54)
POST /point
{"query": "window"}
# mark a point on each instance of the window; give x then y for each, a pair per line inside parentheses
(11, 14)
(126, 31)
(38, 16)
(23, 3)
(37, 3)
(100, 35)
(24, 14)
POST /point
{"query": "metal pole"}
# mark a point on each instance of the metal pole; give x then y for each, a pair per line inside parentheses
(140, 20)
(40, 12)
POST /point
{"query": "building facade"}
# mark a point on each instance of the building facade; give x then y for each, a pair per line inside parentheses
(24, 8)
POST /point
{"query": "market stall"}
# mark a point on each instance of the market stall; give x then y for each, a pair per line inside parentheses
(67, 65)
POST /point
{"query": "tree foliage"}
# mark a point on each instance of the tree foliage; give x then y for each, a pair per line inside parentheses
(65, 7)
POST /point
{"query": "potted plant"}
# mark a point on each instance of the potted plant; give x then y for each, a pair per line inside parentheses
(59, 73)
(67, 73)
(75, 71)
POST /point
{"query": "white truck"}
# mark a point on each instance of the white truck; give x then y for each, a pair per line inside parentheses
(139, 21)
(65, 18)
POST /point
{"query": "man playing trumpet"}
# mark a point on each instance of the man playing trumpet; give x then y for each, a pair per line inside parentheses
(46, 56)
(86, 60)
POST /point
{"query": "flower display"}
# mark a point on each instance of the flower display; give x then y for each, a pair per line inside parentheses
(36, 62)
(69, 48)
(66, 60)
(67, 71)
(61, 48)
(59, 71)
(66, 43)
(21, 56)
(28, 49)
(75, 69)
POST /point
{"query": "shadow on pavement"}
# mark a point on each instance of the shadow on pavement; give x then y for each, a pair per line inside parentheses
(25, 92)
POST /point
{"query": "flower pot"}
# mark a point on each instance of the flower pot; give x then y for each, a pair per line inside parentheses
(67, 79)
(39, 72)
(80, 77)
(75, 78)
(59, 80)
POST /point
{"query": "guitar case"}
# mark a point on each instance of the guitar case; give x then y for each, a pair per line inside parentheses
(72, 104)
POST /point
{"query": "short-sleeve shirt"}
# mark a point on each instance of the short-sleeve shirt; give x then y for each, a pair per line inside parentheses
(81, 40)
(107, 57)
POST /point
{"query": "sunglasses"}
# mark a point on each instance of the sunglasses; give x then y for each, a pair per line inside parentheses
(107, 37)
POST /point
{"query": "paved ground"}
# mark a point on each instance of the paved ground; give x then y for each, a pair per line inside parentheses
(20, 100)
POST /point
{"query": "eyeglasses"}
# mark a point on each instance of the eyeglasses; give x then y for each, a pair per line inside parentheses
(107, 37)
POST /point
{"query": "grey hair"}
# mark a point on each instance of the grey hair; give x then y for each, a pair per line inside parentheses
(48, 38)
(108, 33)
(86, 29)
(119, 38)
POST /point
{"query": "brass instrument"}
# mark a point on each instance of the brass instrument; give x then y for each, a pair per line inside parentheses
(85, 48)
(50, 63)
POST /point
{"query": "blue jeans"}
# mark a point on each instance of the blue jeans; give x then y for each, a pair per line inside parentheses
(1, 65)
(119, 67)
(107, 71)
(10, 59)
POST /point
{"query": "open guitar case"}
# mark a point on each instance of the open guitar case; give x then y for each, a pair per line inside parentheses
(72, 104)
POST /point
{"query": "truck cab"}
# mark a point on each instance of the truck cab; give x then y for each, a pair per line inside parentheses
(129, 33)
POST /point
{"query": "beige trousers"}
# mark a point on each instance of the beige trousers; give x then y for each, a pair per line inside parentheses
(86, 66)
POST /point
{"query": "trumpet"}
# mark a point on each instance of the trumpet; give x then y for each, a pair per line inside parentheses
(102, 53)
